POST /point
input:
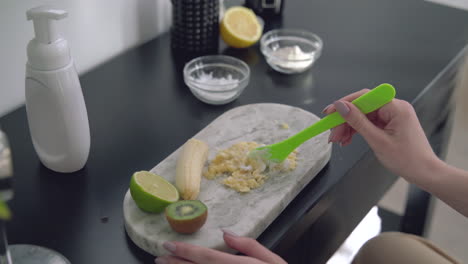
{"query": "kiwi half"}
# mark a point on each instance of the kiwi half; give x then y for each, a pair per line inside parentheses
(186, 216)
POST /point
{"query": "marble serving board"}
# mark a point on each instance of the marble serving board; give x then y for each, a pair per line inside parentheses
(246, 214)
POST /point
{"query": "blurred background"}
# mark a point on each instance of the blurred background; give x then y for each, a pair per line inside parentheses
(96, 32)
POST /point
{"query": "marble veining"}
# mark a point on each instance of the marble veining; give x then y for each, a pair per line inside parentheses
(245, 214)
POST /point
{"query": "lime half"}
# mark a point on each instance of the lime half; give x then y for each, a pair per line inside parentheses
(152, 193)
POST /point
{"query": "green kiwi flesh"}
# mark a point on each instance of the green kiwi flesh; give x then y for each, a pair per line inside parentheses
(186, 216)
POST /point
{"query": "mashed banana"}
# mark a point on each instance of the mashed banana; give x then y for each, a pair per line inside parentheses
(244, 173)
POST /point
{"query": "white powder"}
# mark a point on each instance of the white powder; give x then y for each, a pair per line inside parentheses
(208, 82)
(216, 84)
(292, 57)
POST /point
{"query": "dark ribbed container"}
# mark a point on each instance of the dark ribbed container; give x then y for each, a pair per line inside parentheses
(195, 26)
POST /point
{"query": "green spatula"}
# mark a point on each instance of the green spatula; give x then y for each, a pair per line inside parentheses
(369, 102)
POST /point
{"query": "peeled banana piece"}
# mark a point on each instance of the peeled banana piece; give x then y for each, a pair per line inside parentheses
(189, 168)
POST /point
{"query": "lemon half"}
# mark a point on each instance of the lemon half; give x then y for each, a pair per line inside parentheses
(240, 27)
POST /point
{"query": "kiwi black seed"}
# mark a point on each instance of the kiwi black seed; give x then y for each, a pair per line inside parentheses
(186, 216)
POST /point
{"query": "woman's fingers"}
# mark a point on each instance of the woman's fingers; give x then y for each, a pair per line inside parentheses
(337, 133)
(197, 254)
(357, 120)
(350, 97)
(251, 248)
(184, 253)
(341, 133)
(347, 140)
(201, 255)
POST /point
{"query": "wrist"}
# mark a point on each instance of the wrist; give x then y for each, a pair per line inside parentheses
(432, 173)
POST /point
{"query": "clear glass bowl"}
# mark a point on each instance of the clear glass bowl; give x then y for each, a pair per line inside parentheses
(216, 79)
(291, 50)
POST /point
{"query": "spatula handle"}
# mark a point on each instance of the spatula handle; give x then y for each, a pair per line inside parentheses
(367, 103)
(375, 98)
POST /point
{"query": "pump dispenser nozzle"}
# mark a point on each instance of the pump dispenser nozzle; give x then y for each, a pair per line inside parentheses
(44, 27)
(48, 50)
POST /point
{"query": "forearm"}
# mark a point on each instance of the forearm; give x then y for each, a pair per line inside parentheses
(447, 183)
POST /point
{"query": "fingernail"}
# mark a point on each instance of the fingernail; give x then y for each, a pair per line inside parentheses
(171, 247)
(342, 108)
(229, 233)
(326, 108)
(161, 260)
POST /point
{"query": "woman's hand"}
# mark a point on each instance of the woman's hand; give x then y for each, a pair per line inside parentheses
(183, 253)
(398, 140)
(393, 132)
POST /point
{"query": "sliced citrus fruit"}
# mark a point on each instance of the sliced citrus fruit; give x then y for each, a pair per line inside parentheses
(240, 28)
(152, 193)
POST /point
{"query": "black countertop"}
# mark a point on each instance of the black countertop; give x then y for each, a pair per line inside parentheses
(140, 111)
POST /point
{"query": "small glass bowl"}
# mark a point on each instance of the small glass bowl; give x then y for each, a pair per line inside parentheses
(216, 79)
(291, 50)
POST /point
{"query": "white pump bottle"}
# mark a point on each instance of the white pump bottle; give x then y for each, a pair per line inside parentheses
(55, 106)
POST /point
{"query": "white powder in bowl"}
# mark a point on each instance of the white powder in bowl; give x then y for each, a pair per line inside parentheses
(208, 82)
(291, 57)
